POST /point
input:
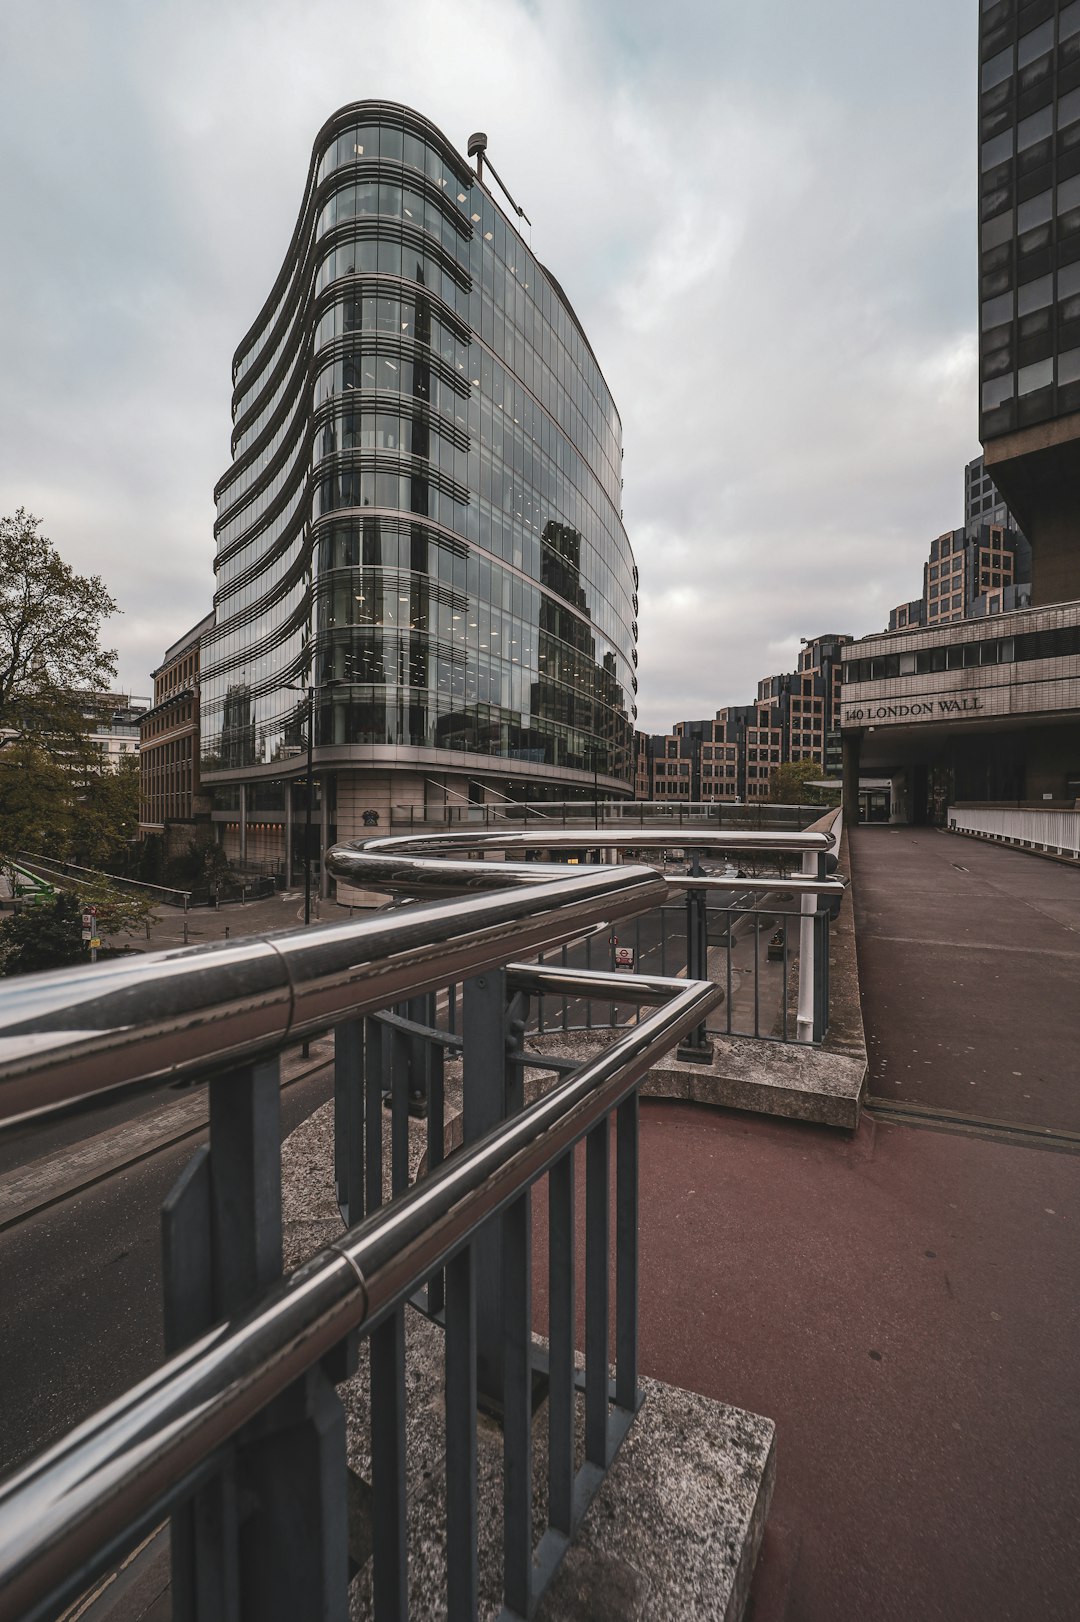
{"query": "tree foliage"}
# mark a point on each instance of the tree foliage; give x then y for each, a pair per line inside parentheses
(107, 819)
(51, 656)
(790, 784)
(48, 935)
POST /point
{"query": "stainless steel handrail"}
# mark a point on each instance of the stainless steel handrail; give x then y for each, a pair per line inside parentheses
(415, 863)
(69, 1033)
(65, 1512)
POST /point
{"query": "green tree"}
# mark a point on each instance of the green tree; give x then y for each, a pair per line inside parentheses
(51, 656)
(791, 784)
(52, 665)
(107, 817)
(48, 936)
(119, 911)
(37, 807)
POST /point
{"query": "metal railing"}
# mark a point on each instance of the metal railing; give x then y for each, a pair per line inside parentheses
(241, 1428)
(755, 936)
(752, 814)
(240, 1436)
(1029, 827)
(73, 875)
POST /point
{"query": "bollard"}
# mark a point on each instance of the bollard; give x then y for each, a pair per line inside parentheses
(226, 931)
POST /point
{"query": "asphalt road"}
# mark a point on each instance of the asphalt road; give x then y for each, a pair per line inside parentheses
(80, 1302)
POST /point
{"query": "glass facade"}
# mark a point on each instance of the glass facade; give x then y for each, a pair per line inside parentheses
(422, 515)
(1029, 212)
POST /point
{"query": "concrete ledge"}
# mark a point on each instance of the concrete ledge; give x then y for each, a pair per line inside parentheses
(676, 1529)
(792, 1080)
(771, 1078)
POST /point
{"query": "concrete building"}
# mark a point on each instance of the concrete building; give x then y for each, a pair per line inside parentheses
(171, 797)
(1029, 277)
(795, 716)
(983, 709)
(983, 501)
(113, 725)
(422, 523)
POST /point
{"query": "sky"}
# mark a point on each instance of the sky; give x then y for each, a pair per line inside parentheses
(763, 214)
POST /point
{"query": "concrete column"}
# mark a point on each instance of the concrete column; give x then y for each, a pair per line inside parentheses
(851, 744)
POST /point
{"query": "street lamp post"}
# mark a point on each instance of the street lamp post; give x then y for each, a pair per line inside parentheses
(308, 807)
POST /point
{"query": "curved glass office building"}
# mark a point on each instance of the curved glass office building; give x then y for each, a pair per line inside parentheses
(422, 515)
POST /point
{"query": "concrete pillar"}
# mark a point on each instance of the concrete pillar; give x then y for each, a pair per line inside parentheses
(851, 744)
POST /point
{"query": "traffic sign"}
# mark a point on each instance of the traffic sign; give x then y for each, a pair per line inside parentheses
(624, 957)
(95, 943)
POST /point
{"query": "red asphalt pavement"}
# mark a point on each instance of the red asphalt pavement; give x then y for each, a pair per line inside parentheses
(902, 1303)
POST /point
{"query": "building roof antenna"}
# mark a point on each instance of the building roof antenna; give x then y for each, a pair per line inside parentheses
(476, 149)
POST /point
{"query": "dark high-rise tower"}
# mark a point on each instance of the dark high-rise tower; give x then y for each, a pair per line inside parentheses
(422, 517)
(1029, 276)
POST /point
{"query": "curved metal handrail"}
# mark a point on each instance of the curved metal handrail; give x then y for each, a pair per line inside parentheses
(69, 1033)
(416, 863)
(63, 1513)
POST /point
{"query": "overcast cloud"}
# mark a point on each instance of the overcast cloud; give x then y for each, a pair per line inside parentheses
(763, 214)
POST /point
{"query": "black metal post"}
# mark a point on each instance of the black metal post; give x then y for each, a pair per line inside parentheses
(697, 1049)
(307, 815)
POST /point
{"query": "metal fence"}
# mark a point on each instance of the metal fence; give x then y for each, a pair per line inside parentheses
(1030, 828)
(620, 814)
(759, 931)
(240, 1436)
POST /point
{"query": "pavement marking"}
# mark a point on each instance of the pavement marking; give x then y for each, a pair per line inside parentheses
(971, 946)
(984, 1126)
(43, 1182)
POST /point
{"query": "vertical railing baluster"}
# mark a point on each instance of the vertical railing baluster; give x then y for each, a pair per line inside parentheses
(390, 1543)
(461, 1550)
(517, 1409)
(565, 1002)
(730, 952)
(349, 1119)
(436, 1148)
(785, 978)
(588, 965)
(375, 1055)
(400, 1055)
(757, 972)
(626, 1253)
(483, 1027)
(596, 1294)
(561, 1312)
